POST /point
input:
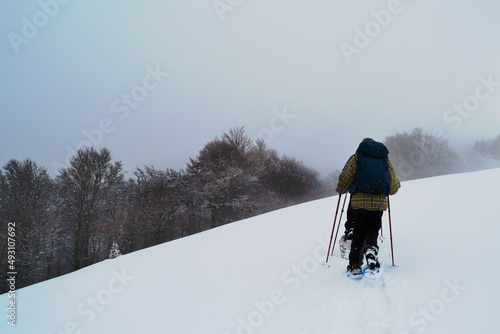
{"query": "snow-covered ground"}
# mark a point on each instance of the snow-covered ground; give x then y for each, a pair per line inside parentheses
(265, 275)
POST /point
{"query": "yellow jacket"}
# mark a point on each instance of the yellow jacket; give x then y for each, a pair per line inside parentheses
(371, 202)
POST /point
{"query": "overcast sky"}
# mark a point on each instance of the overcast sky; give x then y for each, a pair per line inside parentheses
(154, 81)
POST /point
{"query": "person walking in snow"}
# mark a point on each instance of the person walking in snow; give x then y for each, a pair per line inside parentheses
(370, 178)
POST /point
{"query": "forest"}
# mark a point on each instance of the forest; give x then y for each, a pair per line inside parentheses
(90, 212)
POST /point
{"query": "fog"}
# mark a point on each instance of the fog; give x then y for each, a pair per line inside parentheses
(153, 82)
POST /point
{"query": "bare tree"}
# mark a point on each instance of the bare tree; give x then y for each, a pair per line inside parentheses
(294, 182)
(84, 187)
(329, 183)
(26, 200)
(227, 178)
(489, 149)
(418, 154)
(157, 199)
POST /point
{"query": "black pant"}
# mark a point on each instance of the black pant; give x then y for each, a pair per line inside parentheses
(366, 227)
(350, 217)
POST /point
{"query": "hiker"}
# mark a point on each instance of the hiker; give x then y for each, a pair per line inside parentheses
(370, 178)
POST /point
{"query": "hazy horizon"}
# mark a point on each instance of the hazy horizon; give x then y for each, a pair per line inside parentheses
(154, 82)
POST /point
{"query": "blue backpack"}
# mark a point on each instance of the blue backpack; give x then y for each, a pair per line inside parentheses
(373, 175)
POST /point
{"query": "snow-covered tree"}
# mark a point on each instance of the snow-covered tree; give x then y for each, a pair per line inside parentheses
(227, 177)
(484, 154)
(26, 200)
(489, 149)
(157, 199)
(418, 154)
(115, 251)
(85, 187)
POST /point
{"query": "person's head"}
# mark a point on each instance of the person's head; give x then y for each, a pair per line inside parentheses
(367, 139)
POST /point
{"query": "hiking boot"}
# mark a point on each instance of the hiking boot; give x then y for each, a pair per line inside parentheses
(354, 271)
(371, 256)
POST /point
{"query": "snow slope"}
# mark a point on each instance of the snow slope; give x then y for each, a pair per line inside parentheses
(264, 275)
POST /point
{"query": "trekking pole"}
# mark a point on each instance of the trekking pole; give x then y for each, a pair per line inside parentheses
(390, 229)
(333, 229)
(338, 227)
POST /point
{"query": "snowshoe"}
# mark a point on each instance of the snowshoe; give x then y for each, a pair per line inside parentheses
(372, 269)
(354, 272)
(371, 256)
(345, 244)
(372, 272)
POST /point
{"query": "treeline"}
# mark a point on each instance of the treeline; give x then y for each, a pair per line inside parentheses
(489, 149)
(418, 154)
(90, 212)
(74, 220)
